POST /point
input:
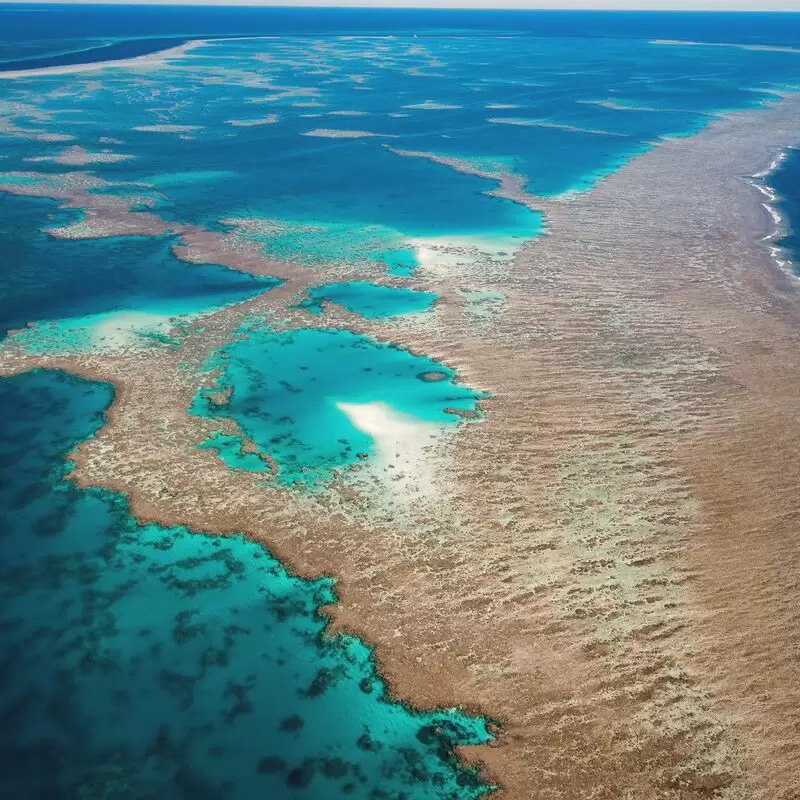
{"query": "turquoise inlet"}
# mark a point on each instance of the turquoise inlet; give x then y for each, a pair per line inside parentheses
(148, 662)
(232, 451)
(400, 263)
(368, 299)
(284, 390)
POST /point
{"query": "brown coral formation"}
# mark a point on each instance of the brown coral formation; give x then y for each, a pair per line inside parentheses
(612, 571)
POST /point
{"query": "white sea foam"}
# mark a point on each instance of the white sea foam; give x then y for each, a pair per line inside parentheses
(779, 228)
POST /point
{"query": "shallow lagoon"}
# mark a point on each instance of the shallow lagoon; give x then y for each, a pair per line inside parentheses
(285, 391)
(368, 299)
(141, 661)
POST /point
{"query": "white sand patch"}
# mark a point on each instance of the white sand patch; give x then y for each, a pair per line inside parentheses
(441, 261)
(148, 61)
(331, 133)
(122, 330)
(404, 448)
(77, 156)
(167, 128)
(441, 255)
(106, 333)
(430, 105)
(270, 119)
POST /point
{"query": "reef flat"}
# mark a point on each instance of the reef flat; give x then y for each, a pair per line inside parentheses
(562, 496)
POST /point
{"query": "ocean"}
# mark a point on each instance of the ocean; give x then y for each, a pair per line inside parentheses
(356, 149)
(785, 182)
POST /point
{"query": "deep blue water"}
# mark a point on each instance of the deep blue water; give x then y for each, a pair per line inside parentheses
(128, 48)
(786, 183)
(145, 662)
(42, 280)
(35, 28)
(82, 294)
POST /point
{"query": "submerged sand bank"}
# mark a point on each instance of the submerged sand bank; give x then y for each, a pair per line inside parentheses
(146, 61)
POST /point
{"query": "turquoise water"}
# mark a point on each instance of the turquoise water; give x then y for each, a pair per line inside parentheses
(285, 386)
(141, 661)
(231, 450)
(368, 299)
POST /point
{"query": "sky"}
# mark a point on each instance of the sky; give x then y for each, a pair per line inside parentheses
(628, 5)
